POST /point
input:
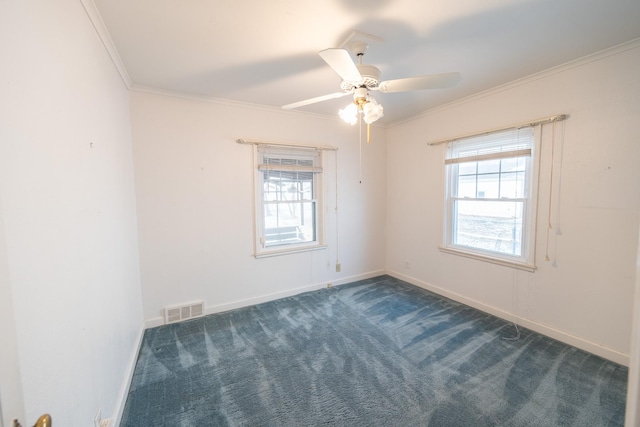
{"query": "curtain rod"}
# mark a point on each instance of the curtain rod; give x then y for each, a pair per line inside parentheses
(284, 144)
(550, 119)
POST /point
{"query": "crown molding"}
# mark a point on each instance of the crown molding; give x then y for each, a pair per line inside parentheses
(202, 98)
(594, 57)
(236, 104)
(98, 24)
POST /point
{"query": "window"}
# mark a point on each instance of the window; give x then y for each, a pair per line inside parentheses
(489, 199)
(288, 195)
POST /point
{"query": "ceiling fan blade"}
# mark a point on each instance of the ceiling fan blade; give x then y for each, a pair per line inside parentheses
(432, 81)
(341, 62)
(314, 100)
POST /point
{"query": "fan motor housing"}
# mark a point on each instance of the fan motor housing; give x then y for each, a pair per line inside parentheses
(370, 78)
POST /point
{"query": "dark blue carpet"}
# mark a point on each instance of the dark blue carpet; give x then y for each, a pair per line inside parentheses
(378, 352)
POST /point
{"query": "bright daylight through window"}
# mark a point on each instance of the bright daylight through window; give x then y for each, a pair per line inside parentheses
(288, 189)
(489, 196)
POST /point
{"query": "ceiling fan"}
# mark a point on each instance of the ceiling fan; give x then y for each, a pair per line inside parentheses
(358, 79)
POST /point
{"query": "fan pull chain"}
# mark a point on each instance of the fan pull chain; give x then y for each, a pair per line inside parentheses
(360, 143)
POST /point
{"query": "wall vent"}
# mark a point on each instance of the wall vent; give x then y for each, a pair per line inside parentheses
(178, 313)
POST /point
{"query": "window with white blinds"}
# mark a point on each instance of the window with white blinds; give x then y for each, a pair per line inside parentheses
(288, 199)
(488, 210)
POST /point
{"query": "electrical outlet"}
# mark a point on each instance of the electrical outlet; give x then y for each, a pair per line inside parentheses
(407, 264)
(338, 267)
(329, 285)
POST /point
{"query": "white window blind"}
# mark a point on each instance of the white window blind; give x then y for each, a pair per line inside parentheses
(503, 144)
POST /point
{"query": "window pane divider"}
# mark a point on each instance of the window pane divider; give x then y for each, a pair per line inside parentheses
(488, 199)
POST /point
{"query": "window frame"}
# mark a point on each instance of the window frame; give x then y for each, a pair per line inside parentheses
(261, 249)
(526, 260)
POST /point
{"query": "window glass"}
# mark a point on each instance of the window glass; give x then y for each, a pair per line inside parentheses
(491, 226)
(488, 186)
(512, 185)
(467, 186)
(489, 166)
(468, 168)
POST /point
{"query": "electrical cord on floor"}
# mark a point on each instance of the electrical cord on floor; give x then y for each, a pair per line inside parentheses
(516, 338)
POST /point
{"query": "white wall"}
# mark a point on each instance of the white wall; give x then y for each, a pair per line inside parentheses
(10, 384)
(632, 417)
(584, 294)
(68, 210)
(195, 203)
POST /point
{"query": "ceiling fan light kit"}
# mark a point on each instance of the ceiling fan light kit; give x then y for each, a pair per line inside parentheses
(349, 114)
(358, 79)
(362, 103)
(372, 111)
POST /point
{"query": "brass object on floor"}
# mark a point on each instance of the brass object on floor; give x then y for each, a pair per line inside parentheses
(43, 421)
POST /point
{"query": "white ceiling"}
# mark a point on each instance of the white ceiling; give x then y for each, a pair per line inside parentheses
(266, 51)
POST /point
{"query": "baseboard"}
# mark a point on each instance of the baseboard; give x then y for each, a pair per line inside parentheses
(124, 391)
(351, 279)
(158, 321)
(566, 338)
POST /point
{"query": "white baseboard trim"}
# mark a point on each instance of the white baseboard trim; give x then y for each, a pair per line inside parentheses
(152, 323)
(597, 349)
(351, 279)
(158, 321)
(124, 390)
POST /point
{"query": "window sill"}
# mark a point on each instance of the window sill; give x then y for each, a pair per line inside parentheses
(278, 252)
(479, 257)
